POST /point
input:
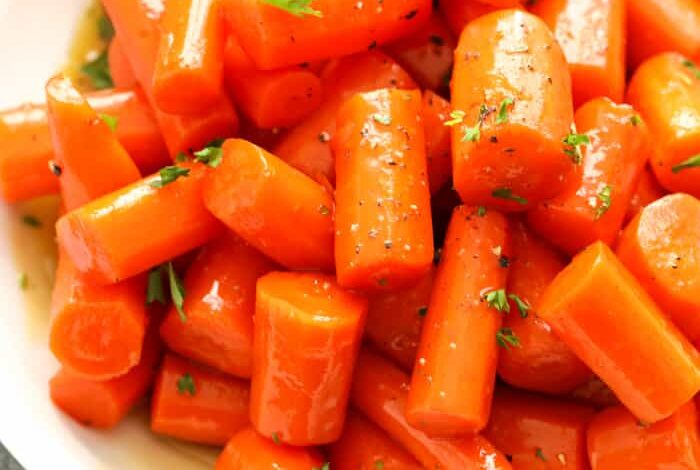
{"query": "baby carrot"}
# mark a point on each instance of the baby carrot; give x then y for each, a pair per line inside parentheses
(455, 369)
(274, 38)
(666, 91)
(140, 226)
(364, 446)
(511, 96)
(384, 237)
(188, 75)
(379, 391)
(458, 13)
(438, 145)
(119, 66)
(248, 450)
(196, 404)
(647, 191)
(660, 247)
(599, 309)
(543, 362)
(307, 334)
(272, 206)
(220, 301)
(307, 146)
(270, 98)
(539, 433)
(593, 204)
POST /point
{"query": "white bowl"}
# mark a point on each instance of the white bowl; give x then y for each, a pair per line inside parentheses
(34, 39)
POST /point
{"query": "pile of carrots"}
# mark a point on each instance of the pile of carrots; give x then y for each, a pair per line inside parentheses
(381, 234)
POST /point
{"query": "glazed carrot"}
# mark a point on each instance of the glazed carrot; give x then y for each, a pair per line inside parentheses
(660, 247)
(427, 54)
(363, 446)
(137, 24)
(395, 319)
(595, 393)
(273, 98)
(593, 204)
(379, 391)
(248, 450)
(384, 237)
(188, 75)
(458, 13)
(272, 206)
(502, 3)
(616, 440)
(307, 146)
(219, 305)
(455, 369)
(543, 362)
(655, 26)
(539, 433)
(648, 190)
(196, 404)
(140, 226)
(307, 334)
(96, 332)
(511, 95)
(592, 36)
(119, 66)
(602, 313)
(274, 38)
(666, 91)
(438, 145)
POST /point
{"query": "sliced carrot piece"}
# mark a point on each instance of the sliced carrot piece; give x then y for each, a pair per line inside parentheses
(438, 140)
(119, 66)
(458, 13)
(648, 190)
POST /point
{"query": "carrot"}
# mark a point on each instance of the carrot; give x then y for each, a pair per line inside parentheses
(455, 370)
(274, 38)
(379, 391)
(660, 247)
(666, 91)
(119, 66)
(427, 55)
(648, 190)
(27, 147)
(595, 393)
(395, 319)
(617, 440)
(592, 37)
(196, 404)
(307, 146)
(543, 362)
(219, 305)
(438, 145)
(458, 13)
(140, 226)
(502, 3)
(137, 24)
(272, 98)
(511, 96)
(272, 206)
(307, 334)
(364, 446)
(539, 433)
(188, 75)
(656, 26)
(593, 205)
(96, 332)
(248, 450)
(602, 313)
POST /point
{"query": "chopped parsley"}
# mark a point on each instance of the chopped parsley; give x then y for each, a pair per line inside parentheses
(31, 221)
(572, 145)
(168, 175)
(456, 117)
(97, 70)
(506, 339)
(540, 454)
(177, 292)
(105, 28)
(154, 291)
(502, 116)
(325, 466)
(507, 194)
(635, 120)
(498, 300)
(523, 307)
(379, 464)
(692, 67)
(211, 156)
(185, 384)
(276, 438)
(603, 201)
(481, 211)
(295, 7)
(692, 162)
(111, 121)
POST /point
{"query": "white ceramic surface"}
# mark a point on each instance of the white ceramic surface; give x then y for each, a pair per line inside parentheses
(34, 38)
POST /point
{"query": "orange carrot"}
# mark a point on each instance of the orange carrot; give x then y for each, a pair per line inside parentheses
(364, 446)
(543, 362)
(617, 440)
(539, 433)
(379, 391)
(273, 98)
(274, 38)
(666, 91)
(502, 3)
(660, 247)
(119, 66)
(307, 146)
(602, 313)
(458, 13)
(511, 96)
(307, 334)
(140, 226)
(275, 208)
(595, 393)
(438, 146)
(196, 404)
(648, 190)
(593, 205)
(219, 305)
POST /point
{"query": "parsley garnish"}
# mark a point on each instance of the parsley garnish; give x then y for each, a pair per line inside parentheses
(523, 307)
(692, 162)
(502, 116)
(540, 455)
(168, 175)
(185, 384)
(481, 211)
(507, 194)
(382, 119)
(456, 117)
(31, 221)
(295, 7)
(105, 28)
(379, 464)
(693, 68)
(97, 70)
(572, 145)
(325, 466)
(472, 134)
(506, 338)
(275, 438)
(604, 199)
(111, 121)
(635, 120)
(154, 291)
(23, 281)
(177, 292)
(497, 299)
(211, 156)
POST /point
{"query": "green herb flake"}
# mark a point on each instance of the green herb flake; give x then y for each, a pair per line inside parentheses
(155, 291)
(181, 157)
(111, 121)
(185, 384)
(211, 156)
(105, 28)
(498, 300)
(295, 7)
(168, 175)
(507, 194)
(276, 438)
(31, 221)
(382, 119)
(177, 292)
(502, 116)
(456, 117)
(97, 70)
(523, 307)
(603, 202)
(689, 64)
(23, 281)
(635, 120)
(481, 211)
(572, 145)
(692, 162)
(471, 134)
(379, 464)
(506, 339)
(540, 454)
(383, 282)
(325, 466)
